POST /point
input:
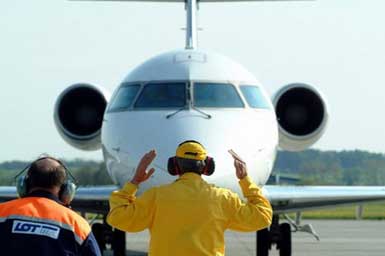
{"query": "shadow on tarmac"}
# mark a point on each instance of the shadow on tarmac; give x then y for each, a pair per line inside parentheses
(128, 253)
(135, 253)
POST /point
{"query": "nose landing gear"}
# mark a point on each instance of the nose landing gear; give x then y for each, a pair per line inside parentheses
(280, 235)
(105, 235)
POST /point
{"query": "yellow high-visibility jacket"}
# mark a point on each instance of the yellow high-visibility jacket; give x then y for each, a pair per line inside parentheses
(189, 216)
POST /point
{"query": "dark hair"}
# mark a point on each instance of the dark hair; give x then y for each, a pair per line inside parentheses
(42, 173)
(190, 165)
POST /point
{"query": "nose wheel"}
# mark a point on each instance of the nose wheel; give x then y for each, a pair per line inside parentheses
(105, 235)
(278, 234)
(263, 242)
(284, 243)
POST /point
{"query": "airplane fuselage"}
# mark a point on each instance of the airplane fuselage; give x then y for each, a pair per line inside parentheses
(212, 101)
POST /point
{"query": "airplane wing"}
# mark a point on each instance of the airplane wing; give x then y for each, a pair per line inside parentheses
(93, 199)
(285, 199)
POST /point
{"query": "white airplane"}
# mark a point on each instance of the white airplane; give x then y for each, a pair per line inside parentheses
(194, 94)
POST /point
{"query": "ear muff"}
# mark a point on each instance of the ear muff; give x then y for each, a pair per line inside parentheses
(67, 189)
(67, 192)
(21, 186)
(172, 166)
(209, 166)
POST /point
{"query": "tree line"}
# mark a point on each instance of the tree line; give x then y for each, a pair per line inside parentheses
(315, 167)
(86, 172)
(311, 167)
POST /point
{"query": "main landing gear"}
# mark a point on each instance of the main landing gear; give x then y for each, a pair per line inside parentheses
(280, 235)
(104, 235)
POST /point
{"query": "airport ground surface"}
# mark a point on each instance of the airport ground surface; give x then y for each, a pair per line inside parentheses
(338, 238)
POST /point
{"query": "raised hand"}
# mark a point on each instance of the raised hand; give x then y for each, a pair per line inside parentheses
(141, 173)
(239, 164)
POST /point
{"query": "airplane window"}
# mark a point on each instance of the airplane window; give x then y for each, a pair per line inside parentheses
(167, 95)
(124, 97)
(254, 97)
(212, 95)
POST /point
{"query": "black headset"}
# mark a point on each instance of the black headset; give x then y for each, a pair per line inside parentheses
(67, 189)
(207, 165)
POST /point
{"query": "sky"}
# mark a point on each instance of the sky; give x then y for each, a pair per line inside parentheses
(47, 45)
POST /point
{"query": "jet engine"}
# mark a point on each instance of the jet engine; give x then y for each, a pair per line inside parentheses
(302, 115)
(79, 114)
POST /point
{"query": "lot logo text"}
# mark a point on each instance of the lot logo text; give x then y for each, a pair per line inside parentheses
(34, 228)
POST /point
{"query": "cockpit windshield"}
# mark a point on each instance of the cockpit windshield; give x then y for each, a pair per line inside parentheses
(254, 97)
(124, 97)
(162, 95)
(214, 95)
(175, 95)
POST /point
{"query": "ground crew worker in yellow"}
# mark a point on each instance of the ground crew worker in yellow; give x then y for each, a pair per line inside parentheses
(188, 216)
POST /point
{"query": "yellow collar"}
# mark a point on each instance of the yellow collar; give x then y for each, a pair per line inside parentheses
(190, 176)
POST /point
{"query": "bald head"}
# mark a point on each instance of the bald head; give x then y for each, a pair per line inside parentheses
(46, 173)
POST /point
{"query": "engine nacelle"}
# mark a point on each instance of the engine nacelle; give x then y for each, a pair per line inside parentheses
(302, 115)
(78, 115)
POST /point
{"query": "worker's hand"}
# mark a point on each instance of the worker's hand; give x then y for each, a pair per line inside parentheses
(239, 164)
(141, 173)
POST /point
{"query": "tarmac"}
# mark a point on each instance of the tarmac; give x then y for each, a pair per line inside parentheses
(337, 238)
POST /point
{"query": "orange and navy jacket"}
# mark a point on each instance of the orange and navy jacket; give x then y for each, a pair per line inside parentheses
(39, 225)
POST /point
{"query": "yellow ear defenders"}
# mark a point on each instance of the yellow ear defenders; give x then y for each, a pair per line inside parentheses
(67, 189)
(193, 150)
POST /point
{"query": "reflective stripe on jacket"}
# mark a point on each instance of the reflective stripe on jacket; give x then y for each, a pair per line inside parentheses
(189, 216)
(40, 225)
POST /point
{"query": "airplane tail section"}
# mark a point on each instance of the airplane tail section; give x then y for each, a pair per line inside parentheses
(185, 1)
(191, 9)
